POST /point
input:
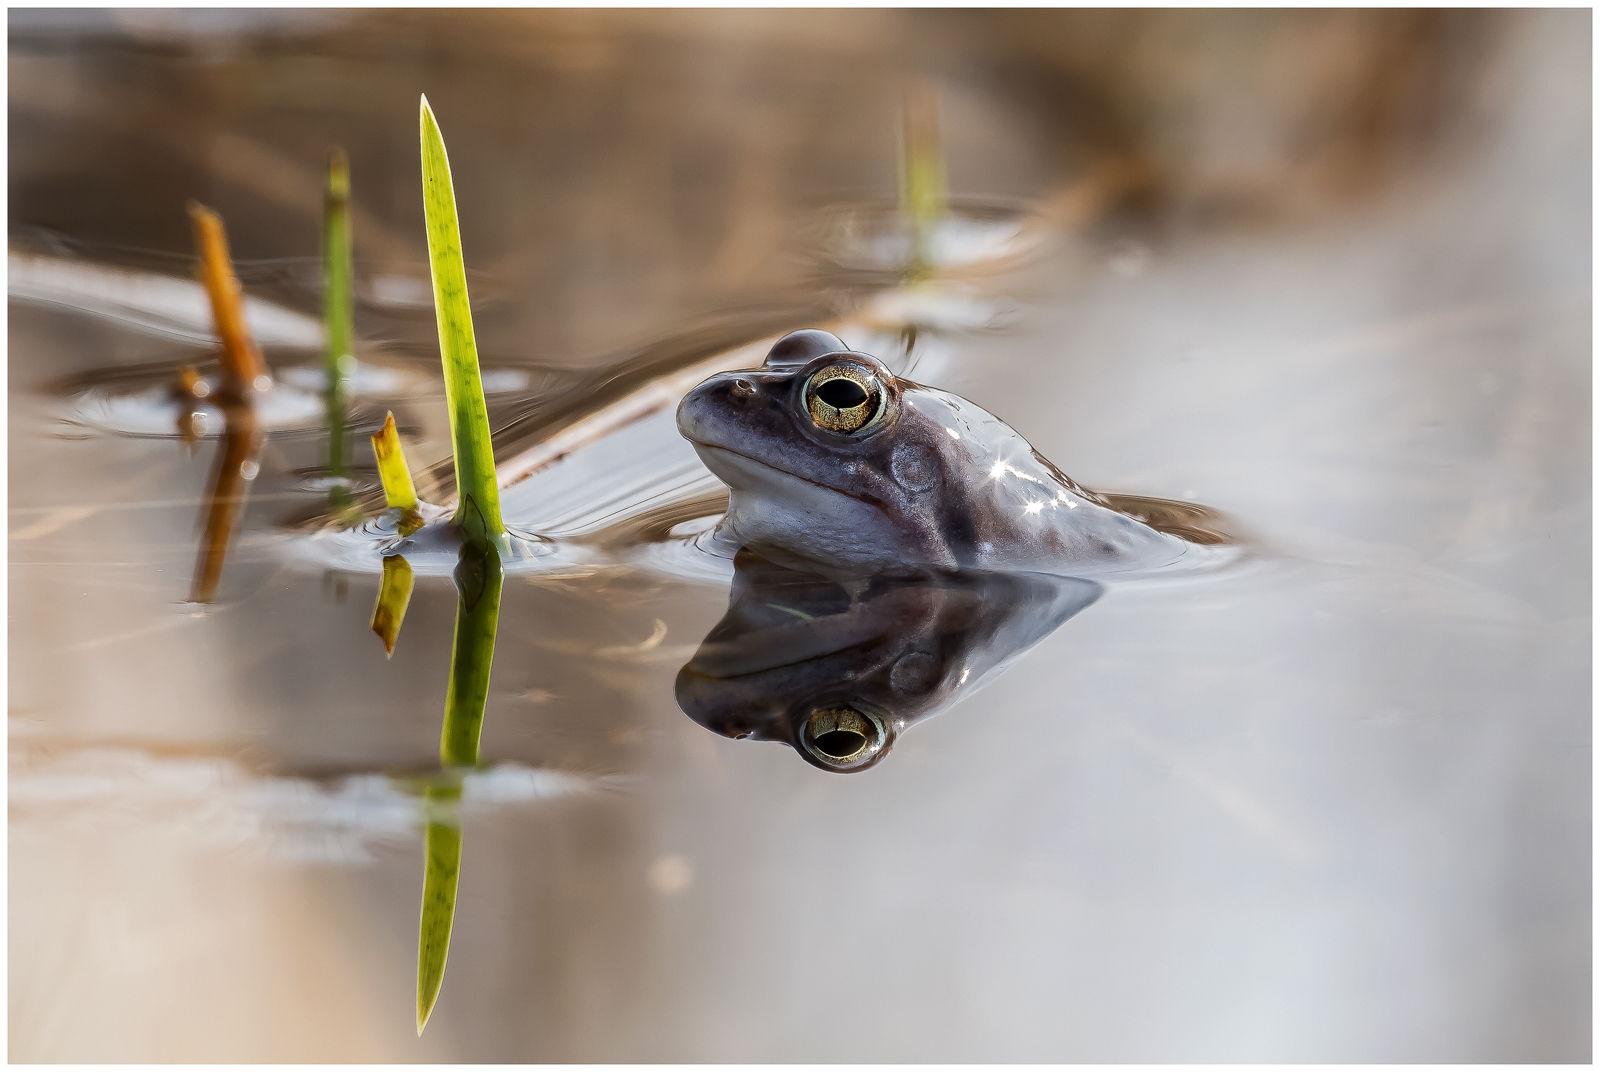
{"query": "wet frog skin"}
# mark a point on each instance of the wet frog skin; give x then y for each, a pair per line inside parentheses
(833, 461)
(838, 671)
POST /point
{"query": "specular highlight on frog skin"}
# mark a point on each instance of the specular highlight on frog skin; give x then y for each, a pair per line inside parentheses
(832, 460)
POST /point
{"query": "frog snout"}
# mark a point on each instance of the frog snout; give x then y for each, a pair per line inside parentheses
(707, 409)
(694, 412)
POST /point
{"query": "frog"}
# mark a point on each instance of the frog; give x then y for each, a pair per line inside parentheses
(833, 462)
(839, 670)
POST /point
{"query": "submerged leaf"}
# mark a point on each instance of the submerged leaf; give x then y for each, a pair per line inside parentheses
(394, 595)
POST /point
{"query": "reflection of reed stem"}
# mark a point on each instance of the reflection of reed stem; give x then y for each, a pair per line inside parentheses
(337, 317)
(236, 467)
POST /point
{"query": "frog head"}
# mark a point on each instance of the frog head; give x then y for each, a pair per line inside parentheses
(833, 462)
(823, 451)
(839, 671)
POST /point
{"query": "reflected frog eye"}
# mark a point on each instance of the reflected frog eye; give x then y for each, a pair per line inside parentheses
(843, 737)
(844, 398)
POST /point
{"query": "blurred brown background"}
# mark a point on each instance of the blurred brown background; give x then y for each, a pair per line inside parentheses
(635, 171)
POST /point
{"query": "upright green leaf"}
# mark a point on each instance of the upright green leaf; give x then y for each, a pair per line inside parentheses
(337, 320)
(924, 200)
(478, 515)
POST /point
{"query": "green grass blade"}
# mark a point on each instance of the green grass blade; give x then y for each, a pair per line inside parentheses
(924, 197)
(478, 516)
(338, 317)
(478, 582)
(394, 596)
(440, 879)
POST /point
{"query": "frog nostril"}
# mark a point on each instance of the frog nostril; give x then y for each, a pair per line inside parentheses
(743, 387)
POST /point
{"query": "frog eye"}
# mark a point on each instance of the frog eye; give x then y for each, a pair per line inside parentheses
(844, 398)
(842, 737)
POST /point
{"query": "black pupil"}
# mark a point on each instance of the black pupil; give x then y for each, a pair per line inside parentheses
(840, 743)
(842, 393)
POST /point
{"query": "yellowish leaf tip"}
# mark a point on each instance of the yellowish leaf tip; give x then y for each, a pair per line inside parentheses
(398, 488)
(338, 173)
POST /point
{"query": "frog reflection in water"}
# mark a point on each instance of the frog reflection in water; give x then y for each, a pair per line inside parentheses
(832, 460)
(838, 670)
(897, 545)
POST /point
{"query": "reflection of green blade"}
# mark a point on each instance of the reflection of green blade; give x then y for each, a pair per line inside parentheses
(438, 895)
(337, 317)
(478, 516)
(478, 581)
(394, 595)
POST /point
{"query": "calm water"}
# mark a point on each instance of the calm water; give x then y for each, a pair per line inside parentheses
(1330, 803)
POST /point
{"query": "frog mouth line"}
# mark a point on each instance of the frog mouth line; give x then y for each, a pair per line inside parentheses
(868, 500)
